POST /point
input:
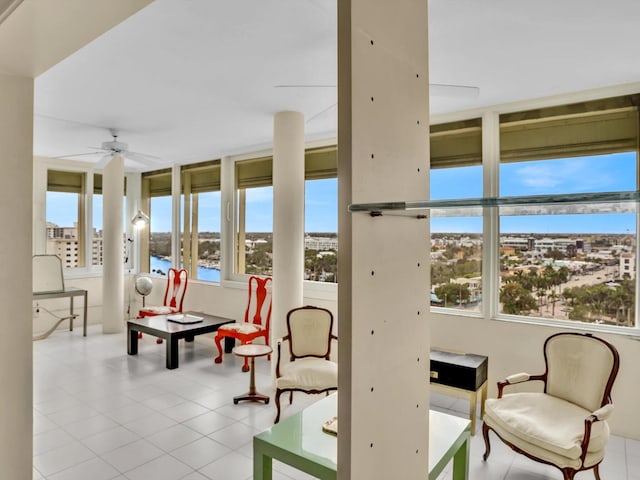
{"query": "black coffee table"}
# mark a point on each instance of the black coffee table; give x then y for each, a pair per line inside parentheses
(171, 332)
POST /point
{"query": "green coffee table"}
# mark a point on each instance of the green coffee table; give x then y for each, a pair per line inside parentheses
(300, 442)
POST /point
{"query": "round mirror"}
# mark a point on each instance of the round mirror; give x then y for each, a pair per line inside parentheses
(143, 285)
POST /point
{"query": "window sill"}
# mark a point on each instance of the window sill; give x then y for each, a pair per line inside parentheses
(632, 332)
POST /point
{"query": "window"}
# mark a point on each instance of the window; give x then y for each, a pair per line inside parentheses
(456, 236)
(321, 215)
(568, 263)
(65, 215)
(254, 219)
(96, 240)
(156, 240)
(201, 220)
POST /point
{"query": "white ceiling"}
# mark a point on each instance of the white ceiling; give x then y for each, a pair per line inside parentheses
(192, 80)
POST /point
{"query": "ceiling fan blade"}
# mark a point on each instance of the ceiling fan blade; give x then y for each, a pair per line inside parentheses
(321, 112)
(143, 158)
(100, 164)
(74, 155)
(449, 90)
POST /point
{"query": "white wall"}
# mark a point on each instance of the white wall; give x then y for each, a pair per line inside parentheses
(517, 347)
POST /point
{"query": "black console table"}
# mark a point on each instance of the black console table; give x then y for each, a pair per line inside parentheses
(462, 375)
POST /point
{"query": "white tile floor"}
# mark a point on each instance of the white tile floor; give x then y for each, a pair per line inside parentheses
(101, 414)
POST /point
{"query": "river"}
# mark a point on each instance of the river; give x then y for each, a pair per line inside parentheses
(206, 274)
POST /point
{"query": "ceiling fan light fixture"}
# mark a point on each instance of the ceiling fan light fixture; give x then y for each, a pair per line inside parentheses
(115, 146)
(140, 219)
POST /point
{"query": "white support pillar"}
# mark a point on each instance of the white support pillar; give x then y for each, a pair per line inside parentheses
(383, 293)
(112, 244)
(288, 217)
(16, 362)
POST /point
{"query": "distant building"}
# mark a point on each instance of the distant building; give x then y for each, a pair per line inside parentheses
(321, 243)
(63, 242)
(627, 265)
(66, 249)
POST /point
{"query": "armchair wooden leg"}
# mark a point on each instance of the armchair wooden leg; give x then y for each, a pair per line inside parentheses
(568, 473)
(217, 339)
(487, 445)
(596, 471)
(278, 392)
(290, 397)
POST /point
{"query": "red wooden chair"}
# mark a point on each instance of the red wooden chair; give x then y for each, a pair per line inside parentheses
(173, 296)
(257, 318)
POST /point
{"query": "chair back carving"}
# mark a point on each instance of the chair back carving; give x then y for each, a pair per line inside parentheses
(581, 369)
(176, 288)
(309, 331)
(258, 310)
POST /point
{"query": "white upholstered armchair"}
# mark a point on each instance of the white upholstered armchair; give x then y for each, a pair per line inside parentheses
(565, 425)
(309, 369)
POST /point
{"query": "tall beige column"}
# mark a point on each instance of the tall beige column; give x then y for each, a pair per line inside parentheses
(16, 411)
(113, 246)
(34, 37)
(288, 217)
(383, 261)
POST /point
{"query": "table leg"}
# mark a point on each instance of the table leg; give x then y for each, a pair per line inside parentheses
(473, 399)
(253, 394)
(229, 343)
(461, 461)
(262, 464)
(71, 312)
(252, 376)
(84, 320)
(172, 352)
(132, 341)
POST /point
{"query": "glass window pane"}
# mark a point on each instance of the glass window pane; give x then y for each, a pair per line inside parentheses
(205, 222)
(254, 237)
(456, 262)
(96, 241)
(569, 267)
(63, 228)
(456, 241)
(321, 230)
(601, 173)
(160, 234)
(458, 182)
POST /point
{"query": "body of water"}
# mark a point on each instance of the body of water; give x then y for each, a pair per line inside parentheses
(161, 266)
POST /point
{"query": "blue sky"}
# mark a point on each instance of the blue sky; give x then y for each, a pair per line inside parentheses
(605, 173)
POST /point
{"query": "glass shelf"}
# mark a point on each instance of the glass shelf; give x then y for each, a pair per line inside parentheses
(567, 203)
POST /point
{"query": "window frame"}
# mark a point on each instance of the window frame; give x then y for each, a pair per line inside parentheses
(42, 165)
(491, 219)
(229, 204)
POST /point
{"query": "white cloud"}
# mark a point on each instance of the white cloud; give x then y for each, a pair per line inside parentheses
(566, 175)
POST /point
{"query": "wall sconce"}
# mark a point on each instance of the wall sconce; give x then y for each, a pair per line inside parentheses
(140, 219)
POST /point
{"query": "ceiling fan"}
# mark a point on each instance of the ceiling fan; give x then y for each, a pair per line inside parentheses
(107, 150)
